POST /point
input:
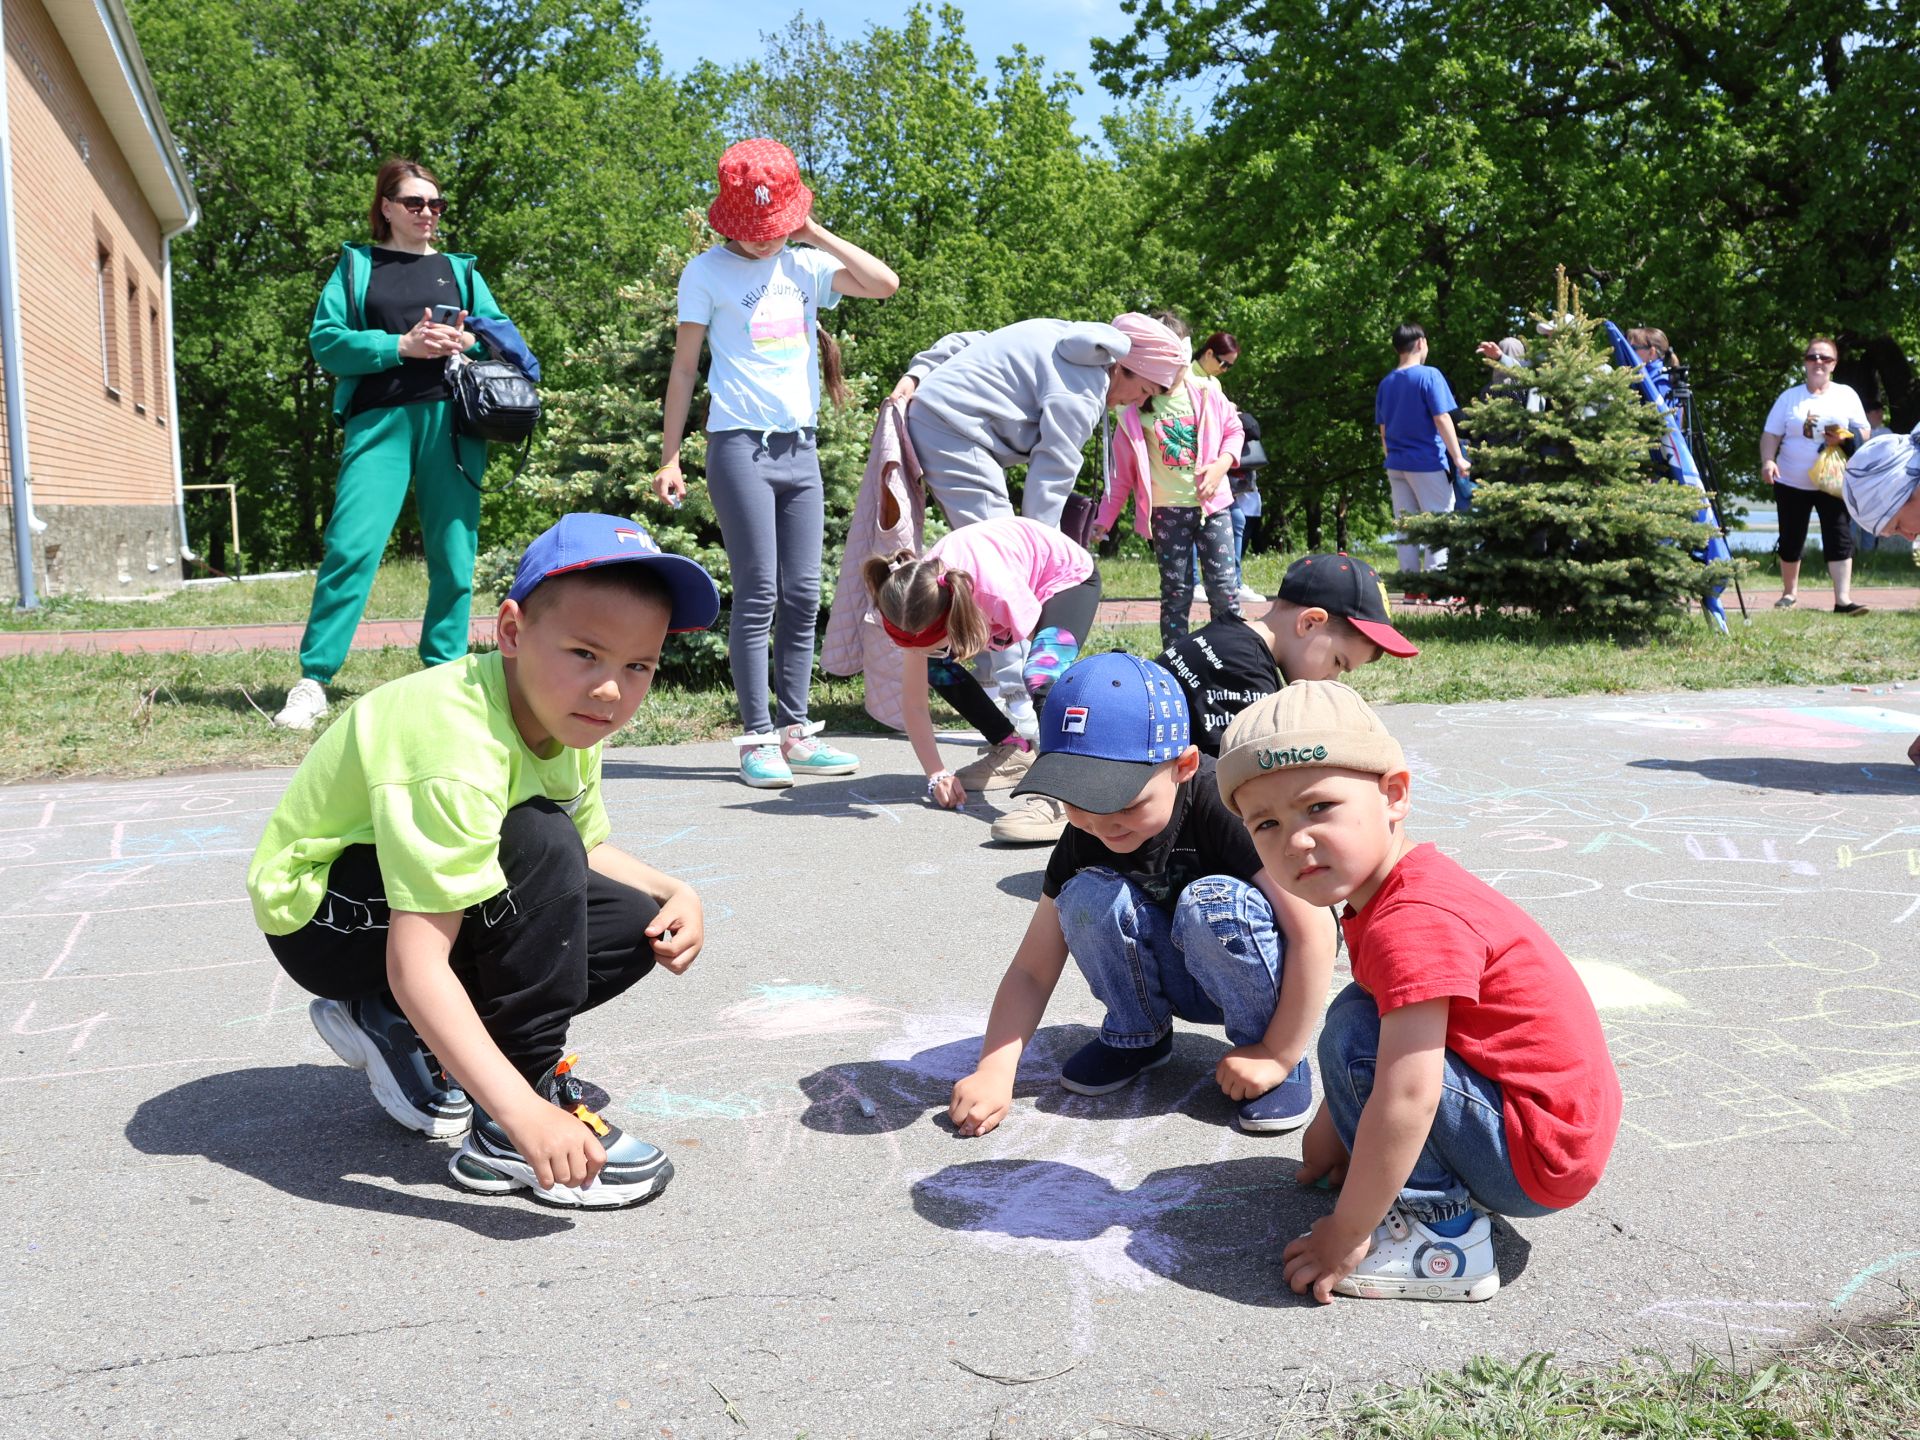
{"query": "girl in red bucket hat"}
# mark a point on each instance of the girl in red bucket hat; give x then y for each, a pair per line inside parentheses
(754, 302)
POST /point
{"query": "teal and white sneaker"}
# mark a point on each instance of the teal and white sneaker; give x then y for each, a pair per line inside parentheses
(761, 764)
(807, 756)
(489, 1164)
(1410, 1261)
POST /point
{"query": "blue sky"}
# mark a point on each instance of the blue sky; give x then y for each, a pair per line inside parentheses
(688, 31)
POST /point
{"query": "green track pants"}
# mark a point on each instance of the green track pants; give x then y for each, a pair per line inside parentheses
(387, 449)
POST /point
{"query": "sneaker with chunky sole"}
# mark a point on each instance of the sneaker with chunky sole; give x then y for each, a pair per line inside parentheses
(1247, 595)
(999, 767)
(370, 1034)
(306, 704)
(806, 755)
(761, 764)
(635, 1171)
(1411, 1262)
(1098, 1068)
(1287, 1106)
(1034, 820)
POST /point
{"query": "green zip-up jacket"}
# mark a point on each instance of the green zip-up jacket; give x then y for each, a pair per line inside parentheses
(347, 351)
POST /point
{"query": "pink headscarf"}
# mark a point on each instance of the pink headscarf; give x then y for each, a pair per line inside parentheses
(1158, 355)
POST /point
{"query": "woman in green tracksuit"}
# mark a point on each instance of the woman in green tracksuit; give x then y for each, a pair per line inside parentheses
(375, 329)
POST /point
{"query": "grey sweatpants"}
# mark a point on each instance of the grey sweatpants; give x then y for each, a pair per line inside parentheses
(970, 487)
(1420, 492)
(767, 493)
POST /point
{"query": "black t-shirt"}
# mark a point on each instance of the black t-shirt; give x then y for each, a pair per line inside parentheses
(401, 286)
(1221, 668)
(1202, 838)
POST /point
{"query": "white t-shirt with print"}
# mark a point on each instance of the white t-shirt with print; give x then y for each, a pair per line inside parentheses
(1790, 412)
(760, 316)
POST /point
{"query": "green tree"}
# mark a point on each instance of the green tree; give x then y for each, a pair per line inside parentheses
(528, 110)
(1576, 521)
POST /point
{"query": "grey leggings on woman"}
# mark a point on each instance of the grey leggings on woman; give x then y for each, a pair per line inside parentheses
(767, 493)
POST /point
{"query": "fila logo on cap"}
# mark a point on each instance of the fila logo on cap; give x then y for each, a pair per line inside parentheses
(1074, 721)
(640, 538)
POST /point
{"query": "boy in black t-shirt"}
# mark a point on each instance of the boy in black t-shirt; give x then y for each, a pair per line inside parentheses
(1158, 894)
(1328, 620)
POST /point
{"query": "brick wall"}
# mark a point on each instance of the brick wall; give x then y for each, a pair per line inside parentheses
(75, 199)
(92, 333)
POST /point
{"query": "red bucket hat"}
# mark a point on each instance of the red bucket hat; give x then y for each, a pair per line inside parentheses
(761, 196)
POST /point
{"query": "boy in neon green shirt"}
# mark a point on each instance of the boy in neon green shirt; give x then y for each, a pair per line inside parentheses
(438, 872)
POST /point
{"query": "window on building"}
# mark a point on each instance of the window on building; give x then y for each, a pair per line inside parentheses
(158, 355)
(137, 370)
(109, 329)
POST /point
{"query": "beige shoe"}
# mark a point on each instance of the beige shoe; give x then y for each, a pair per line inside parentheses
(1034, 820)
(1001, 767)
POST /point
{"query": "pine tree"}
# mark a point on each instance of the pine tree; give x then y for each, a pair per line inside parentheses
(1568, 521)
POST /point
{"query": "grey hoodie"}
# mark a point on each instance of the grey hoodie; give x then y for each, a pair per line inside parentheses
(1029, 394)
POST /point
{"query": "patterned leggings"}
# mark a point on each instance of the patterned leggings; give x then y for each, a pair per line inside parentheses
(1177, 531)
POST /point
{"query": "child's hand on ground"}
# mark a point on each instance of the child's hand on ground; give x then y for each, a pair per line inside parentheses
(561, 1150)
(679, 930)
(948, 793)
(1322, 1156)
(979, 1104)
(1247, 1071)
(1913, 751)
(1323, 1257)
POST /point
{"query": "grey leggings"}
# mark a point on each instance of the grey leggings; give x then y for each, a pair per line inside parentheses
(771, 505)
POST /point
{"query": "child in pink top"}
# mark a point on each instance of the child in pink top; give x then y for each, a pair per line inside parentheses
(983, 587)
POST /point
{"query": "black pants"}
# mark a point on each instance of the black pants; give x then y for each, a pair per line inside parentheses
(560, 939)
(1072, 611)
(1795, 507)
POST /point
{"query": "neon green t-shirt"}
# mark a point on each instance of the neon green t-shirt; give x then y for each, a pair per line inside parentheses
(1173, 443)
(424, 769)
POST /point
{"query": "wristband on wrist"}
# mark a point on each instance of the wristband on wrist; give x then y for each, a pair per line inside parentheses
(934, 779)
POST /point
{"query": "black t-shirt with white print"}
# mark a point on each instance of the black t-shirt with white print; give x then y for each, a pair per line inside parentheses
(1203, 837)
(1221, 668)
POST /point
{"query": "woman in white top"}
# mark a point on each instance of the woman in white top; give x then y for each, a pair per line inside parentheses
(755, 301)
(1804, 419)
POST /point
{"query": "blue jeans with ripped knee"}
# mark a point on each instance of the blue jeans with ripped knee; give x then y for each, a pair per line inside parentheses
(1466, 1156)
(1216, 960)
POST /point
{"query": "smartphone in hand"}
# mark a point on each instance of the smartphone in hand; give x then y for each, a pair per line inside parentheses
(448, 315)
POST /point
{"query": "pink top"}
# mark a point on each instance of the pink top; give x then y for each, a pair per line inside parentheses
(1016, 565)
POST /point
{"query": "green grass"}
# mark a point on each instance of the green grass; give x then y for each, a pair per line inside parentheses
(1859, 1384)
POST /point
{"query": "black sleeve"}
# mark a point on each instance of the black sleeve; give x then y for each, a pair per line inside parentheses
(1062, 865)
(1220, 838)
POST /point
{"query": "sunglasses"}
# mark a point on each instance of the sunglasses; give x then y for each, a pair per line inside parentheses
(416, 203)
(1820, 359)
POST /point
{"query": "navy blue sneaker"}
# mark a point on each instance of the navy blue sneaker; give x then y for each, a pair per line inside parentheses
(1287, 1106)
(371, 1034)
(634, 1171)
(1098, 1068)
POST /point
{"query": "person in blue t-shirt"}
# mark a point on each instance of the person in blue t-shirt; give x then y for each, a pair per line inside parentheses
(1413, 408)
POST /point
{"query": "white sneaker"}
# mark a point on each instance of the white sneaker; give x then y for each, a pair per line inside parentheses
(306, 703)
(1199, 594)
(1410, 1262)
(1250, 596)
(1034, 820)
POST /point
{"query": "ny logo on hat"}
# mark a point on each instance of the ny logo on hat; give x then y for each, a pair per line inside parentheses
(1074, 721)
(762, 196)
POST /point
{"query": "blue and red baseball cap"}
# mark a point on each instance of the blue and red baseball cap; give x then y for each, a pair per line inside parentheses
(1110, 721)
(584, 541)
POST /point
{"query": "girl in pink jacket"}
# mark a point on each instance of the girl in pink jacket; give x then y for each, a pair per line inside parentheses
(1171, 458)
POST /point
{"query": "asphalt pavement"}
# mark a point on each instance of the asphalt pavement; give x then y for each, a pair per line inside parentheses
(216, 1232)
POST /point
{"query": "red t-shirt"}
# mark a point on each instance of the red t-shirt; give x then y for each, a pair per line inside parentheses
(1520, 1014)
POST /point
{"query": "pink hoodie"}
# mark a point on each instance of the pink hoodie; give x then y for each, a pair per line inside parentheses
(1219, 434)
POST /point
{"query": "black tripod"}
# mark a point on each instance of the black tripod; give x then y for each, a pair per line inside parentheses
(1681, 394)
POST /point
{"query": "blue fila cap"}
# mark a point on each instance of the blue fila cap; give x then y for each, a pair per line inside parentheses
(1109, 722)
(585, 541)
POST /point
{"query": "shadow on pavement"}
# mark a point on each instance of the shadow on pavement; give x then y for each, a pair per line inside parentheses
(855, 797)
(311, 1131)
(1220, 1228)
(1888, 776)
(918, 1090)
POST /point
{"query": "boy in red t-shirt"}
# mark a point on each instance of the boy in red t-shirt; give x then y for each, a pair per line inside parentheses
(1465, 1069)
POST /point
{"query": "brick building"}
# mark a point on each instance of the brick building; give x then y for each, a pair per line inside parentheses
(93, 191)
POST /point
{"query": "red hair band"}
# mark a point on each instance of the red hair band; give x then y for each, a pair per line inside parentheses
(916, 639)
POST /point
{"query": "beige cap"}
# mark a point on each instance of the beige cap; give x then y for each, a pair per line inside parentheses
(1311, 722)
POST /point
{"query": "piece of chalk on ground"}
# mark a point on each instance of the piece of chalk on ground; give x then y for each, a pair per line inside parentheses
(866, 1106)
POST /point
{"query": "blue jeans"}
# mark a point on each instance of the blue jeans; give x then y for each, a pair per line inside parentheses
(1217, 960)
(1465, 1157)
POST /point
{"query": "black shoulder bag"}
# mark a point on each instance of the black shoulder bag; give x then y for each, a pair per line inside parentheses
(493, 400)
